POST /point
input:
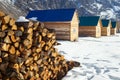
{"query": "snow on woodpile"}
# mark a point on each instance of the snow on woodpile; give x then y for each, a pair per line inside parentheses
(22, 19)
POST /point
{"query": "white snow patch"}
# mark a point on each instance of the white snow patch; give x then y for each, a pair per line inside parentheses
(109, 13)
(117, 8)
(22, 19)
(97, 5)
(99, 58)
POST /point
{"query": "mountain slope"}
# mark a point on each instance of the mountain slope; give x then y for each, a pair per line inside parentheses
(8, 7)
(109, 9)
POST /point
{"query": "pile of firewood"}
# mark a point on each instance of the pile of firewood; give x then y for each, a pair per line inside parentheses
(28, 53)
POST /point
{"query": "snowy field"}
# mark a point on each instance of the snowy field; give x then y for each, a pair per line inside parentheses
(99, 58)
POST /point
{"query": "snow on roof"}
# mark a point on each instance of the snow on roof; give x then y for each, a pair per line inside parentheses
(22, 19)
(33, 18)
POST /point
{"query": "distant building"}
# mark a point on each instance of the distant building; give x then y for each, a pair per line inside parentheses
(90, 26)
(64, 21)
(113, 28)
(105, 29)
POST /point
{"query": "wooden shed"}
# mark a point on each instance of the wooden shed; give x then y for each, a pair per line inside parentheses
(90, 26)
(105, 29)
(113, 28)
(64, 21)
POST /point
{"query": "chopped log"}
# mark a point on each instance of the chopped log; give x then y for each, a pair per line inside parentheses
(40, 38)
(22, 28)
(4, 27)
(29, 37)
(6, 19)
(36, 25)
(30, 30)
(10, 33)
(17, 53)
(2, 34)
(12, 22)
(12, 50)
(16, 66)
(18, 33)
(49, 35)
(27, 53)
(13, 39)
(27, 43)
(5, 47)
(42, 43)
(16, 44)
(4, 55)
(14, 27)
(29, 60)
(7, 39)
(39, 61)
(18, 39)
(44, 34)
(30, 24)
(21, 76)
(0, 60)
(21, 48)
(38, 50)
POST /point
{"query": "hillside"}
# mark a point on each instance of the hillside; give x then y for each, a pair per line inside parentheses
(109, 9)
(11, 9)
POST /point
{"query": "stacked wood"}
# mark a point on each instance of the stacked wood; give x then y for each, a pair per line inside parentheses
(28, 53)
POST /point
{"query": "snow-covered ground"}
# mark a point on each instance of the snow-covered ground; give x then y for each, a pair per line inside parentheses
(99, 58)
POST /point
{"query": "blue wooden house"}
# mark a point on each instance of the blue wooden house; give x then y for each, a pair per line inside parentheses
(64, 21)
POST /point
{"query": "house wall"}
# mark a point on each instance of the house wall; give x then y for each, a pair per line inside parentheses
(118, 27)
(113, 31)
(74, 27)
(105, 31)
(91, 31)
(98, 32)
(65, 30)
(98, 28)
(87, 31)
(62, 29)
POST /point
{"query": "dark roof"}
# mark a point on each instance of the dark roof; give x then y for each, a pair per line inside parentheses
(89, 20)
(113, 24)
(105, 23)
(52, 15)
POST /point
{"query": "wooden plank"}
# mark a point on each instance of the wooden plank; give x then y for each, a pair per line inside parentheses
(63, 37)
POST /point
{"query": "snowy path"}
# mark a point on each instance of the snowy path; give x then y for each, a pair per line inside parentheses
(99, 58)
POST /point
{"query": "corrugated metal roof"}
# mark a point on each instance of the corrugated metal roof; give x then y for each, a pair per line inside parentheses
(105, 23)
(89, 20)
(113, 24)
(52, 15)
